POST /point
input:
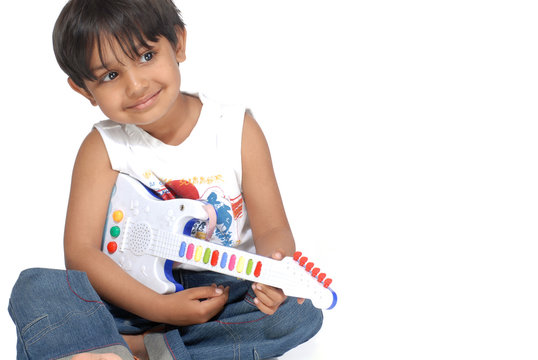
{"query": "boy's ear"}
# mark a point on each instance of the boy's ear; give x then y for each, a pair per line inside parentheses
(81, 91)
(181, 42)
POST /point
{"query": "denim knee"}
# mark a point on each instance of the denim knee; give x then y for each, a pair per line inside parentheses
(306, 319)
(56, 313)
(292, 325)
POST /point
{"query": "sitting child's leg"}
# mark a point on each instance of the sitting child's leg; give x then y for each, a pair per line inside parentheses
(241, 330)
(58, 314)
(266, 336)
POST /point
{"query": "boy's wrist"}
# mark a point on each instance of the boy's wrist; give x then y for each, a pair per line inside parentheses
(157, 309)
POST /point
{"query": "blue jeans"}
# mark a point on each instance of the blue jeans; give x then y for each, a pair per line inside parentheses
(58, 314)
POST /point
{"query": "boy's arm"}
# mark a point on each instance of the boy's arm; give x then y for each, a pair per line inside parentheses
(92, 183)
(270, 228)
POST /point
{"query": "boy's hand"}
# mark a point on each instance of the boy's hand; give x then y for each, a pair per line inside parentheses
(194, 306)
(268, 299)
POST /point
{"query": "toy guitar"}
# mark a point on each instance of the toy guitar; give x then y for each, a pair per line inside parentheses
(146, 235)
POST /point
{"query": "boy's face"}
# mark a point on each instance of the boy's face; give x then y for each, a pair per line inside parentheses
(140, 91)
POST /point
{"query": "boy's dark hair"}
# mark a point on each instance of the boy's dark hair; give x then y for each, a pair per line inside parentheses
(82, 24)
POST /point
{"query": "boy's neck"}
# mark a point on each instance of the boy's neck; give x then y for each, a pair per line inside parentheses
(177, 126)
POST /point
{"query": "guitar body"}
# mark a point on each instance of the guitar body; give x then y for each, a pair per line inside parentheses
(131, 204)
(145, 235)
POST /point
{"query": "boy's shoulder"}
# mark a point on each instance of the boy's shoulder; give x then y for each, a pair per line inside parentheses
(222, 111)
(219, 101)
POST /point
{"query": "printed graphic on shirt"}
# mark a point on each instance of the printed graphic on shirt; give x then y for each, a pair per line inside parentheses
(224, 216)
(206, 180)
(237, 206)
(183, 189)
(154, 183)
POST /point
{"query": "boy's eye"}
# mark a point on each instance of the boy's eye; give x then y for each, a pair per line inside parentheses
(147, 56)
(110, 76)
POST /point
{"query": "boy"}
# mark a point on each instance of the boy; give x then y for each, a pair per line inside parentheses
(123, 56)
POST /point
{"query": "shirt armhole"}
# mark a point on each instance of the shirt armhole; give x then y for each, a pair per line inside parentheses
(230, 137)
(115, 142)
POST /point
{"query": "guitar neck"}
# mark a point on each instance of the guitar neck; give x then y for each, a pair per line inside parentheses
(286, 274)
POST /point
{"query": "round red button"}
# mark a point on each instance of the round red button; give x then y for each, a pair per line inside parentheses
(112, 247)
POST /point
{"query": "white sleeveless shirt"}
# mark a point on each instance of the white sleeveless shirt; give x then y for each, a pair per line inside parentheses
(207, 165)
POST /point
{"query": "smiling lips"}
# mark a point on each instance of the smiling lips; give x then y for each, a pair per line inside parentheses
(145, 102)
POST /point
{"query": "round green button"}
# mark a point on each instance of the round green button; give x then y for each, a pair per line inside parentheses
(115, 231)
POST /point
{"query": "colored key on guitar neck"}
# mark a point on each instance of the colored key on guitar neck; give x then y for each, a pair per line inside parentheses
(198, 253)
(215, 258)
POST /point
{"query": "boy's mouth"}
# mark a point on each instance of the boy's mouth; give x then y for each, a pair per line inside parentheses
(144, 102)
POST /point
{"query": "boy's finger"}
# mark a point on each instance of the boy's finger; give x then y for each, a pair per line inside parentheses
(205, 292)
(269, 295)
(264, 308)
(215, 304)
(270, 292)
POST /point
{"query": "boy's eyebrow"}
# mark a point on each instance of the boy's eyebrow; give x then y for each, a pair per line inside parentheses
(99, 68)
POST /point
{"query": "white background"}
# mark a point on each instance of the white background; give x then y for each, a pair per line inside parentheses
(404, 137)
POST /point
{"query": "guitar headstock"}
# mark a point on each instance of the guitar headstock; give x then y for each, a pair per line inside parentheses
(314, 271)
(306, 280)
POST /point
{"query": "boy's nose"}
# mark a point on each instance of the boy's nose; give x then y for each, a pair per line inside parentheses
(136, 85)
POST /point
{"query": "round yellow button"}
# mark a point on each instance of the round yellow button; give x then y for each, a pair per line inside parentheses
(117, 216)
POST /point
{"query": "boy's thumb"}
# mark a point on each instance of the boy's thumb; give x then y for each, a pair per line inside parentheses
(278, 254)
